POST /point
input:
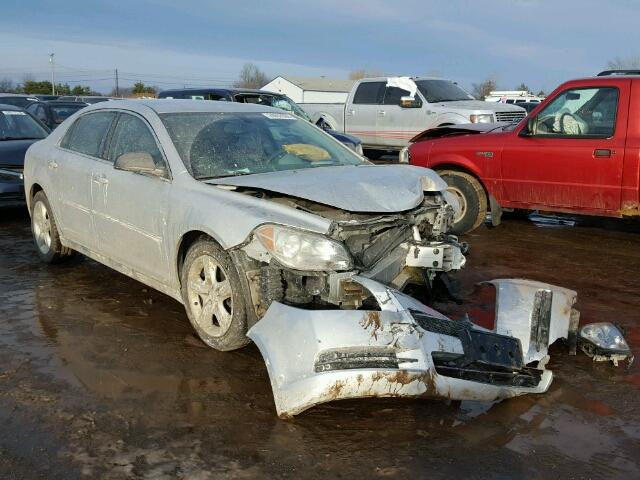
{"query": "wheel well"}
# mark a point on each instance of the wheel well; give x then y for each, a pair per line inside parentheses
(35, 188)
(186, 241)
(457, 168)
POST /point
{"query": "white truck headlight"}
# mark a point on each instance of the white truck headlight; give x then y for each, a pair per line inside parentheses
(604, 341)
(481, 118)
(303, 250)
(404, 156)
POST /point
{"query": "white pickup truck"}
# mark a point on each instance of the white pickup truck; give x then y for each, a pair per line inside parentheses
(386, 112)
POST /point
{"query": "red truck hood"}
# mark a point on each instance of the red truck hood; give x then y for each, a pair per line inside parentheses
(456, 130)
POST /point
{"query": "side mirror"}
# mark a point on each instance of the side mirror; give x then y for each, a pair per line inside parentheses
(529, 129)
(410, 102)
(137, 162)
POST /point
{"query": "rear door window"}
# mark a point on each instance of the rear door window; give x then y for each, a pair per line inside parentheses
(88, 133)
(369, 93)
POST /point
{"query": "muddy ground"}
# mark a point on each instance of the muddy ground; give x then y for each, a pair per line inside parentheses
(101, 377)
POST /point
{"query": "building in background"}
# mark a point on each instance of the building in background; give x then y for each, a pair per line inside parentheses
(311, 89)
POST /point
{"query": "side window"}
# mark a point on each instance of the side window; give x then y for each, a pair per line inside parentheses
(392, 96)
(580, 112)
(132, 135)
(369, 93)
(87, 134)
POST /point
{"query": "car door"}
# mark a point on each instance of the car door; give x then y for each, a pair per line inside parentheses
(397, 124)
(70, 168)
(361, 115)
(130, 209)
(570, 155)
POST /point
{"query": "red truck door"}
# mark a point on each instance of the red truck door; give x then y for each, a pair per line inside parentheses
(570, 155)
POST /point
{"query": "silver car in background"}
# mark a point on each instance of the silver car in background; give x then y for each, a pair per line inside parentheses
(267, 228)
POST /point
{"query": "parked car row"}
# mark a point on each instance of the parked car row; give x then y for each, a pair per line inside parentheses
(267, 228)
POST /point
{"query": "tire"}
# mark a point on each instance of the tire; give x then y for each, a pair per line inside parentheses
(472, 197)
(212, 296)
(45, 232)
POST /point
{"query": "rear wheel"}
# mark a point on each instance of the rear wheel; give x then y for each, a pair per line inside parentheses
(45, 231)
(212, 296)
(472, 198)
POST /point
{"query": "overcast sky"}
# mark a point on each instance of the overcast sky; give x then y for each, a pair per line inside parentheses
(196, 42)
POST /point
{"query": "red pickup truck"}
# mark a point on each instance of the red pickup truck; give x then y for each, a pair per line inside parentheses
(577, 152)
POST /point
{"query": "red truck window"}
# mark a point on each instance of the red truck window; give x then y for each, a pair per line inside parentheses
(579, 113)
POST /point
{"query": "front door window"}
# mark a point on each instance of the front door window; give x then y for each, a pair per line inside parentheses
(579, 113)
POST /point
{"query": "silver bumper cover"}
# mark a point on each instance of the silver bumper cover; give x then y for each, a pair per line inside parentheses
(410, 350)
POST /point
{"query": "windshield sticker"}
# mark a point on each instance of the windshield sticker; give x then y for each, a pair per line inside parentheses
(279, 116)
(13, 112)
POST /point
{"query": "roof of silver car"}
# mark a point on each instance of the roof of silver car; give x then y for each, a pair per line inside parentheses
(179, 106)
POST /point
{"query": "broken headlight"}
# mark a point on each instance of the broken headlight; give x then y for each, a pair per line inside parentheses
(303, 250)
(604, 341)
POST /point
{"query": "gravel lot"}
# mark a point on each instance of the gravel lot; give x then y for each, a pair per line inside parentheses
(101, 377)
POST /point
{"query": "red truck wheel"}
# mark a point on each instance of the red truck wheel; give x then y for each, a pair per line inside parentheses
(472, 198)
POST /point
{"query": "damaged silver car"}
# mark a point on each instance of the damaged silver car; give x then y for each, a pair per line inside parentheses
(267, 228)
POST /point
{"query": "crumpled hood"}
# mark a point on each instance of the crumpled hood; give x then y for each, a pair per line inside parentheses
(363, 188)
(12, 151)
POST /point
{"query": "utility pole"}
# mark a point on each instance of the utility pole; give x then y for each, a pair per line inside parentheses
(117, 86)
(53, 75)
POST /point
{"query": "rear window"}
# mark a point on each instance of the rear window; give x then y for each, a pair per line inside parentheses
(88, 133)
(369, 93)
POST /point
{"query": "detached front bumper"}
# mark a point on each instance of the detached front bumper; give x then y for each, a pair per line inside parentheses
(409, 350)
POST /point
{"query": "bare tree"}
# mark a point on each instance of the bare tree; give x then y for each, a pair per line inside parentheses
(626, 63)
(523, 87)
(482, 89)
(361, 73)
(251, 77)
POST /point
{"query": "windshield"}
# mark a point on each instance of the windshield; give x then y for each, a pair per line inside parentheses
(16, 125)
(442, 91)
(213, 144)
(61, 112)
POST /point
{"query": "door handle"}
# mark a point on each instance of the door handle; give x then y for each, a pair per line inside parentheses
(603, 152)
(100, 179)
(53, 164)
(381, 113)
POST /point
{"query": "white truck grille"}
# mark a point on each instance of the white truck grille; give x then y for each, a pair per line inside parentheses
(514, 116)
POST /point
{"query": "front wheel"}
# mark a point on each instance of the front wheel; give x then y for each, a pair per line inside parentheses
(45, 231)
(472, 198)
(212, 296)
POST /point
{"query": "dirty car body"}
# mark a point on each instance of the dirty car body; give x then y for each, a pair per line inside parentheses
(388, 223)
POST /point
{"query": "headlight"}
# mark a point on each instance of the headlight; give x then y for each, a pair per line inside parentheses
(404, 156)
(481, 118)
(604, 341)
(302, 250)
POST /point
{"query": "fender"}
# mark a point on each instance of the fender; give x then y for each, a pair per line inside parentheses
(333, 123)
(448, 160)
